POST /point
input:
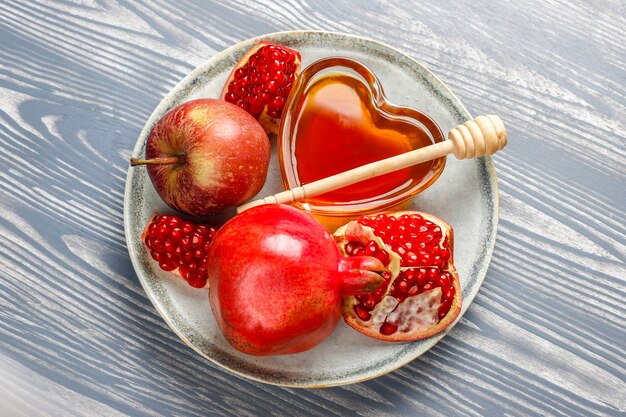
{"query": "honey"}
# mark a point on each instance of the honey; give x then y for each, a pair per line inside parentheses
(340, 127)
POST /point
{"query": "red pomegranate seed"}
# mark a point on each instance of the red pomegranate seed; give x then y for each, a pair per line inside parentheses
(362, 313)
(387, 329)
(421, 277)
(369, 303)
(448, 293)
(444, 280)
(351, 246)
(444, 308)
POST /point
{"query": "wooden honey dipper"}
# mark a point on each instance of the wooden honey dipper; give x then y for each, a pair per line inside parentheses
(485, 135)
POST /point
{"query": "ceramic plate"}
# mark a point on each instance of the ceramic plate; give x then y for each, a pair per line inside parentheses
(465, 196)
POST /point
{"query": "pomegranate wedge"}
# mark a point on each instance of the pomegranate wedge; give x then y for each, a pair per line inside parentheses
(180, 247)
(261, 81)
(421, 295)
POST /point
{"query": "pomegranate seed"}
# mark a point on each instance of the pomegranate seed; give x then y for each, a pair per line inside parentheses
(162, 231)
(372, 248)
(274, 113)
(351, 246)
(157, 245)
(411, 259)
(448, 293)
(184, 272)
(277, 66)
(167, 266)
(409, 274)
(197, 241)
(433, 274)
(197, 282)
(369, 303)
(387, 329)
(444, 280)
(365, 221)
(421, 277)
(188, 228)
(444, 308)
(176, 233)
(362, 313)
(383, 257)
(359, 250)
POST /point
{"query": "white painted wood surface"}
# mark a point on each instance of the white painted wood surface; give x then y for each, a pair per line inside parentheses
(546, 335)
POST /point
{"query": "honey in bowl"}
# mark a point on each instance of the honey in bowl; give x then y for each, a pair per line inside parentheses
(340, 129)
(336, 119)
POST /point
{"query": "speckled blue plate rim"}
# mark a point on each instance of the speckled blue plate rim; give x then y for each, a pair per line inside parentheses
(154, 288)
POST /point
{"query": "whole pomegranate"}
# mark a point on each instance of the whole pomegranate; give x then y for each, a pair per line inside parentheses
(277, 280)
(421, 294)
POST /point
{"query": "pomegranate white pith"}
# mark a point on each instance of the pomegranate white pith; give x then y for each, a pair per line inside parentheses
(421, 294)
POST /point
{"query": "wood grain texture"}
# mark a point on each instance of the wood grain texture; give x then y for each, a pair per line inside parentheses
(546, 334)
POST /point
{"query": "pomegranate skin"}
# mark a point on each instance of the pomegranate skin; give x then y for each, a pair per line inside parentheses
(277, 280)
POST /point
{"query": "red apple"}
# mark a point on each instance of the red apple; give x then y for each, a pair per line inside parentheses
(205, 156)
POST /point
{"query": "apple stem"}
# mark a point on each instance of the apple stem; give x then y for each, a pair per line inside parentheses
(171, 160)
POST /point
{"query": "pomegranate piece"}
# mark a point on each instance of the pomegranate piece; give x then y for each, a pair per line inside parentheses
(180, 247)
(421, 294)
(261, 81)
(278, 280)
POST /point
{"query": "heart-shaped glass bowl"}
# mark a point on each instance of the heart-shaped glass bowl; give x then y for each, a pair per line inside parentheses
(343, 103)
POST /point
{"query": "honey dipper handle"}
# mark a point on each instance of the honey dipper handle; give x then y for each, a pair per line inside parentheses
(355, 175)
(482, 136)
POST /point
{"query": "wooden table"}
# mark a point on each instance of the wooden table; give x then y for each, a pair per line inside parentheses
(546, 334)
